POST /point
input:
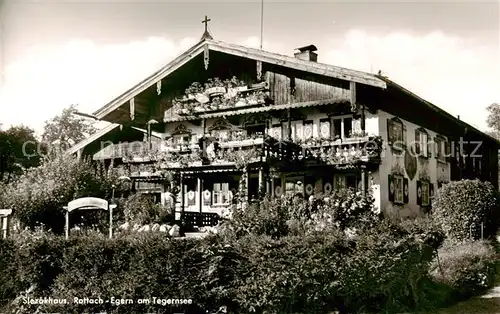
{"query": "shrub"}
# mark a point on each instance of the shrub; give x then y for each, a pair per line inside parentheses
(382, 268)
(290, 215)
(462, 206)
(38, 196)
(8, 265)
(467, 268)
(138, 208)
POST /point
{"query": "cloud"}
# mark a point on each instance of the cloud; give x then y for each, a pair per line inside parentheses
(446, 70)
(455, 74)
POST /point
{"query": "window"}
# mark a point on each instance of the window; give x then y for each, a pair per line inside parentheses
(284, 130)
(221, 135)
(425, 193)
(341, 127)
(398, 189)
(442, 148)
(343, 181)
(347, 127)
(421, 143)
(396, 133)
(337, 128)
(220, 195)
(182, 139)
(256, 130)
(339, 182)
(294, 186)
(297, 130)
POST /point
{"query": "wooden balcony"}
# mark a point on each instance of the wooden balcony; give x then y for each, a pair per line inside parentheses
(343, 152)
(218, 96)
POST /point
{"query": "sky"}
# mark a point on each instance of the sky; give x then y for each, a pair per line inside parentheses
(56, 53)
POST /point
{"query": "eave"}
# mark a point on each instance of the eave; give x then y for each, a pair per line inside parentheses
(436, 109)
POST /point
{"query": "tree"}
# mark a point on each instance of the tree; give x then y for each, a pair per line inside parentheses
(493, 120)
(19, 150)
(67, 129)
(39, 195)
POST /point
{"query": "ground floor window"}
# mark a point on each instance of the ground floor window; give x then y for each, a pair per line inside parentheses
(294, 186)
(345, 181)
(425, 193)
(221, 194)
(398, 189)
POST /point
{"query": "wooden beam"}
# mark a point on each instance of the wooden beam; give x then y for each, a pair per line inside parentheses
(132, 108)
(291, 62)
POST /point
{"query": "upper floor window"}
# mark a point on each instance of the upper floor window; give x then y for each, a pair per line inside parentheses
(396, 133)
(181, 135)
(181, 139)
(341, 127)
(256, 129)
(441, 148)
(421, 143)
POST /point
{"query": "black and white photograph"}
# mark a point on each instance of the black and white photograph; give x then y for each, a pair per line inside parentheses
(257, 156)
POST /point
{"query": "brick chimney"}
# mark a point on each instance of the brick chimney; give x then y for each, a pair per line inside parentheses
(307, 53)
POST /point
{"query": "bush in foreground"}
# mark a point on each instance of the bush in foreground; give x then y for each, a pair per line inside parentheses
(466, 268)
(379, 269)
(462, 206)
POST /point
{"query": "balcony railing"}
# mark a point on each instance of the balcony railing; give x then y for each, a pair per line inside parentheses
(340, 152)
(237, 149)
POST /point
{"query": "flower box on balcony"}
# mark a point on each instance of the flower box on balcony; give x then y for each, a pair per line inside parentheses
(215, 90)
(196, 163)
(202, 98)
(241, 88)
(183, 111)
(191, 97)
(356, 139)
(241, 103)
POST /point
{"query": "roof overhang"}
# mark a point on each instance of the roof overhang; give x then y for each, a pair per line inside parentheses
(436, 109)
(241, 51)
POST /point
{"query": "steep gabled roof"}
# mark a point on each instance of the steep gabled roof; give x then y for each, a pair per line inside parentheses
(251, 53)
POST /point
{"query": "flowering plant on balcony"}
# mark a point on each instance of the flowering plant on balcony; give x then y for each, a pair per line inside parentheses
(173, 159)
(217, 94)
(241, 158)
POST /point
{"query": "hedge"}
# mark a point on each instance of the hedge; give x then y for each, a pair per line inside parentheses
(380, 269)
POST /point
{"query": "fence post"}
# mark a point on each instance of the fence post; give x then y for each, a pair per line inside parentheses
(482, 230)
(4, 222)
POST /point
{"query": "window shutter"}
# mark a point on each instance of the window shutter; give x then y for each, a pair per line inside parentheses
(391, 189)
(431, 192)
(429, 146)
(447, 149)
(405, 191)
(390, 131)
(437, 147)
(419, 193)
(404, 133)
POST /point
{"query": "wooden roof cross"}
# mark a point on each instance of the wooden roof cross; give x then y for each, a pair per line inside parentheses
(205, 21)
(206, 34)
